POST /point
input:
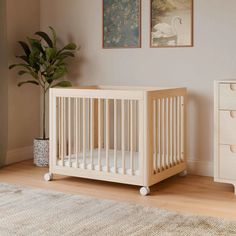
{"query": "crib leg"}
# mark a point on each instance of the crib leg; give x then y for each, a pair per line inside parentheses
(48, 177)
(144, 191)
(183, 173)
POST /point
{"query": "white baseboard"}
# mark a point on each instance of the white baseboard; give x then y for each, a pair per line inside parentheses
(21, 154)
(203, 168)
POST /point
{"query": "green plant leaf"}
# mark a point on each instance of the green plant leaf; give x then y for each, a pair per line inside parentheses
(50, 53)
(70, 46)
(30, 72)
(61, 64)
(54, 36)
(24, 58)
(12, 66)
(63, 84)
(46, 38)
(59, 72)
(34, 75)
(34, 58)
(68, 54)
(22, 72)
(19, 65)
(34, 43)
(28, 82)
(49, 80)
(63, 55)
(25, 47)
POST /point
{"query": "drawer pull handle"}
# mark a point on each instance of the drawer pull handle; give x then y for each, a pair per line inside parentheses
(233, 87)
(232, 114)
(233, 148)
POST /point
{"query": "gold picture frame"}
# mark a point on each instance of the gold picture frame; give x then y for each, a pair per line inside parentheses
(171, 23)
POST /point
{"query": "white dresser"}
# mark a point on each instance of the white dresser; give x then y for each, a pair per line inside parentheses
(225, 132)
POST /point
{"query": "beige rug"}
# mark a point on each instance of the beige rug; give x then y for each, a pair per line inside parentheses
(26, 211)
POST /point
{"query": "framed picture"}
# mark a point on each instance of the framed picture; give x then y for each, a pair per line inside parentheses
(121, 23)
(171, 23)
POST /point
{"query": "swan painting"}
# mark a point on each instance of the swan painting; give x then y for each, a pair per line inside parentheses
(171, 23)
(165, 33)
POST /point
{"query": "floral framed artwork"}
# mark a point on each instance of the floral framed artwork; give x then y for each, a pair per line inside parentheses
(171, 23)
(121, 23)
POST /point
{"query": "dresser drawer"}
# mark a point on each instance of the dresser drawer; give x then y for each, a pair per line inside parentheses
(227, 162)
(227, 132)
(227, 98)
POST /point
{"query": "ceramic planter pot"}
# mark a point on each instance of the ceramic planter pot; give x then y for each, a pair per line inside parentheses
(41, 152)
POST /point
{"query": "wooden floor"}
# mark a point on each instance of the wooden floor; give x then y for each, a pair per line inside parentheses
(191, 194)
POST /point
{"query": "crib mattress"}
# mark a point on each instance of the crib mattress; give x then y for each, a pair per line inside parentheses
(103, 168)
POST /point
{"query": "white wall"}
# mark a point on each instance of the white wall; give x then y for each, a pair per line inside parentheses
(22, 20)
(212, 57)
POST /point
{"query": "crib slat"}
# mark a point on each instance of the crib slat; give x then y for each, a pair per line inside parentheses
(58, 117)
(135, 126)
(95, 124)
(63, 132)
(84, 132)
(131, 138)
(157, 135)
(115, 135)
(123, 134)
(128, 126)
(100, 120)
(74, 126)
(154, 135)
(76, 132)
(161, 135)
(171, 132)
(180, 127)
(168, 143)
(59, 129)
(174, 131)
(177, 131)
(69, 130)
(164, 136)
(78, 124)
(57, 154)
(91, 131)
(107, 134)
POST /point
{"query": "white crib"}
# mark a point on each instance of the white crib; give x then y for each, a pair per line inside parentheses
(121, 134)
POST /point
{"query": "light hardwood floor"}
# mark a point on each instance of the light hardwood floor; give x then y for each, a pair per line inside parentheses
(191, 194)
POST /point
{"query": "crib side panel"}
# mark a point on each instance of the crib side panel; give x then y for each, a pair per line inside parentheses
(166, 134)
(97, 134)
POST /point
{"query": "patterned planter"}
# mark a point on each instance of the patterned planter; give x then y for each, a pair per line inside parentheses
(41, 152)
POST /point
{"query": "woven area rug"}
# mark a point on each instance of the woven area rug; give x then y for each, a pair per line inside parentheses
(26, 211)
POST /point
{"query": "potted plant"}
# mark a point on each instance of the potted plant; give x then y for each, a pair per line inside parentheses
(46, 64)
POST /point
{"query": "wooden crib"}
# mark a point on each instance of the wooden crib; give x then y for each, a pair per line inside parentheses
(121, 134)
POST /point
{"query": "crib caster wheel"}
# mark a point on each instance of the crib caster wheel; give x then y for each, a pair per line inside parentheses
(48, 177)
(183, 173)
(144, 191)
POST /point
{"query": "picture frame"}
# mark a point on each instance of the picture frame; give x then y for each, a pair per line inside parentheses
(121, 24)
(171, 23)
